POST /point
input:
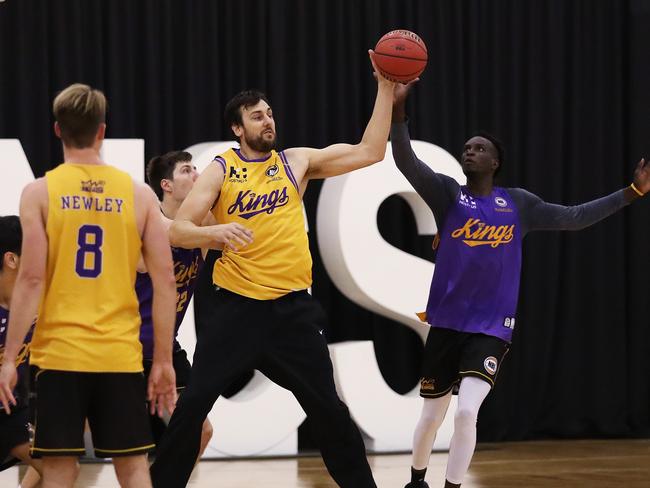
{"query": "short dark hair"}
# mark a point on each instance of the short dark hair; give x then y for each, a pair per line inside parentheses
(246, 98)
(11, 236)
(498, 145)
(162, 168)
(79, 111)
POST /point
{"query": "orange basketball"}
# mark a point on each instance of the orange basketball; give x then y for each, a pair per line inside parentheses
(401, 56)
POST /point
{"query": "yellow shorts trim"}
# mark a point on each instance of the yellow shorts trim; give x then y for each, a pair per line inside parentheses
(437, 394)
(118, 451)
(79, 449)
(490, 380)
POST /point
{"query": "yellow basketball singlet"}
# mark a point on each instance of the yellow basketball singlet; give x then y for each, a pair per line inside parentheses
(263, 196)
(89, 320)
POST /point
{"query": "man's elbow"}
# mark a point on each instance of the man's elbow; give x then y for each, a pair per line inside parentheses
(373, 154)
(33, 280)
(174, 234)
(164, 279)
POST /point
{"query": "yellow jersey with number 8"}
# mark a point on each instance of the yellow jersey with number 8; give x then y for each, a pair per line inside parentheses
(89, 319)
(262, 195)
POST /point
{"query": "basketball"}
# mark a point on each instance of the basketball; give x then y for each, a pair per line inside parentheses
(401, 56)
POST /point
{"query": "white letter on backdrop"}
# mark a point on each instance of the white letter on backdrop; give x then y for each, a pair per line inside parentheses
(380, 278)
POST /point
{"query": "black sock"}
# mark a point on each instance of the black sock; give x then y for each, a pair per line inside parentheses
(449, 484)
(417, 474)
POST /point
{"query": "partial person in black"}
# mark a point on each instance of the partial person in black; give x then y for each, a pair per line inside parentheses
(15, 425)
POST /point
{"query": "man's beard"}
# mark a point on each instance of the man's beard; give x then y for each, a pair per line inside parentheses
(260, 144)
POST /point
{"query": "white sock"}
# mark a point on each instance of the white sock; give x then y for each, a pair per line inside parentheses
(471, 394)
(433, 413)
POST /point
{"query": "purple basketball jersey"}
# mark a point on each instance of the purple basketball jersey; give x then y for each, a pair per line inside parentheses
(475, 284)
(187, 265)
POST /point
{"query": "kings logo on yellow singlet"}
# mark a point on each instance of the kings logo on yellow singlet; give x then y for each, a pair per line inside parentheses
(262, 195)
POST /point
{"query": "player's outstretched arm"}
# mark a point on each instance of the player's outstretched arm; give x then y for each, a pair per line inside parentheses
(343, 158)
(536, 214)
(186, 230)
(29, 283)
(157, 256)
(436, 189)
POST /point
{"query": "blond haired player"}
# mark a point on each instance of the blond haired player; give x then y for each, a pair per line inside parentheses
(85, 225)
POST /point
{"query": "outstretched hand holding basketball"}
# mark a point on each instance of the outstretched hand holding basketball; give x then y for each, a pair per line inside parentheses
(401, 56)
(376, 71)
(400, 94)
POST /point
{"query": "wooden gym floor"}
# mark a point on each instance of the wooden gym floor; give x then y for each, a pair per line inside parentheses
(565, 464)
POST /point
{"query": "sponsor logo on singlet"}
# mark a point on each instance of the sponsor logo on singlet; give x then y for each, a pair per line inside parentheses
(93, 186)
(476, 233)
(249, 204)
(490, 365)
(237, 175)
(467, 200)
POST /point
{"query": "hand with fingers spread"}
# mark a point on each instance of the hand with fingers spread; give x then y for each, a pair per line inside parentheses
(376, 73)
(161, 390)
(400, 94)
(641, 180)
(8, 378)
(233, 235)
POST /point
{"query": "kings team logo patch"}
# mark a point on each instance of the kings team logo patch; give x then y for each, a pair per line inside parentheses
(271, 171)
(428, 385)
(490, 364)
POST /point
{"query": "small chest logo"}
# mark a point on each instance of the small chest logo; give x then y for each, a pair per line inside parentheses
(271, 171)
(467, 200)
(237, 174)
(501, 202)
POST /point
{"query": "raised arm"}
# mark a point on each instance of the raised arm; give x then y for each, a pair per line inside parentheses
(437, 190)
(309, 163)
(29, 283)
(536, 214)
(186, 230)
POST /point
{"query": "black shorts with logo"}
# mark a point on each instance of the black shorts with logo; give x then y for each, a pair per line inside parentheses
(14, 431)
(450, 355)
(113, 403)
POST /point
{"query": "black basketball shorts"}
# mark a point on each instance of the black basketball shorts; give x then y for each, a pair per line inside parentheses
(450, 355)
(113, 403)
